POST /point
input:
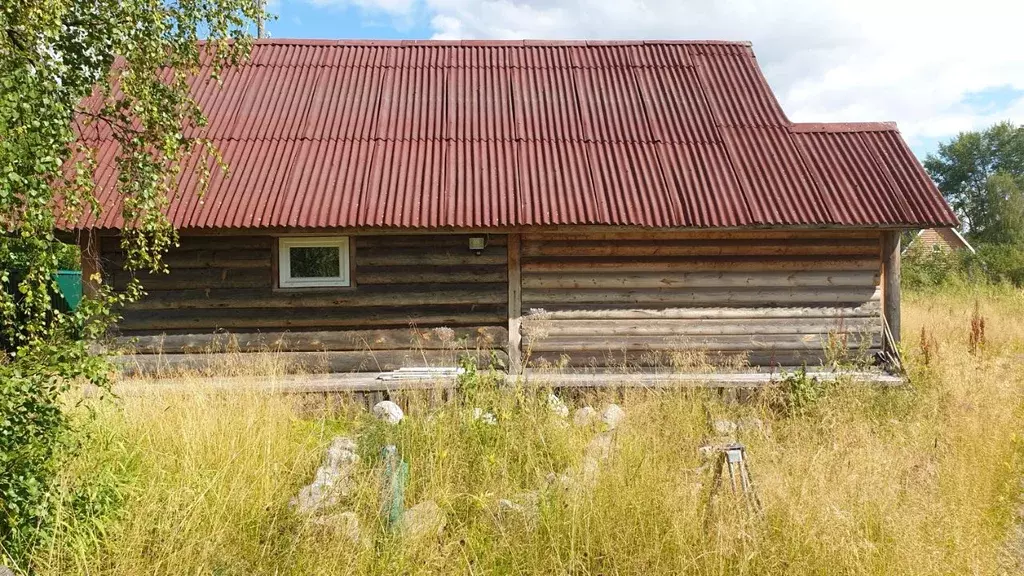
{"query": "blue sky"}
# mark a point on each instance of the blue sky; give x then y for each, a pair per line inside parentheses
(931, 66)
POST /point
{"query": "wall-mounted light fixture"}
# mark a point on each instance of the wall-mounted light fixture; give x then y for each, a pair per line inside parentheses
(477, 244)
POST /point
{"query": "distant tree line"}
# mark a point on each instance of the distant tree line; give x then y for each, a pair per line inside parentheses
(981, 174)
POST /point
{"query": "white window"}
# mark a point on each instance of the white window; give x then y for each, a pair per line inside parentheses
(313, 262)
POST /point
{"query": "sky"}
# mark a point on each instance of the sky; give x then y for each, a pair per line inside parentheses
(934, 67)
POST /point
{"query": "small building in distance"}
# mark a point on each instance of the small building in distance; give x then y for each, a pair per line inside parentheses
(945, 239)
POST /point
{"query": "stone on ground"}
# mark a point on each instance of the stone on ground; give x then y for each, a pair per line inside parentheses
(333, 479)
(5, 571)
(599, 450)
(725, 427)
(424, 520)
(612, 416)
(557, 407)
(344, 525)
(486, 417)
(585, 416)
(389, 412)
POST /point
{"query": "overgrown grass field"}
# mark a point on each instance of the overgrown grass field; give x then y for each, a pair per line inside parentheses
(919, 480)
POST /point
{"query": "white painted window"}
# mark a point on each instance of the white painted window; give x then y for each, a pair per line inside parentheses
(307, 262)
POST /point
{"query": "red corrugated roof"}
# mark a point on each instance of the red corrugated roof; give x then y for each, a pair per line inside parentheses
(507, 134)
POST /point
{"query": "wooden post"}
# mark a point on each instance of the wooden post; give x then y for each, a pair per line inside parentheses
(515, 305)
(891, 281)
(89, 245)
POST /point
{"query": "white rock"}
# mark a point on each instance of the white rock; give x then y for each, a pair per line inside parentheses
(5, 571)
(558, 407)
(525, 504)
(725, 427)
(585, 416)
(486, 417)
(345, 525)
(599, 450)
(612, 416)
(423, 520)
(333, 479)
(389, 412)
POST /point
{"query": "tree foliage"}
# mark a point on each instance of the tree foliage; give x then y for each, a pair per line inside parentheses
(981, 174)
(73, 72)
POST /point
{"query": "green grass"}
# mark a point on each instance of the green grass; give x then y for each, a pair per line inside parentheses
(922, 480)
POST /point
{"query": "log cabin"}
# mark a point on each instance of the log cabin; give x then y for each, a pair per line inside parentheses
(589, 205)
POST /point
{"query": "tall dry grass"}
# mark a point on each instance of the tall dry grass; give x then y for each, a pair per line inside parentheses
(919, 480)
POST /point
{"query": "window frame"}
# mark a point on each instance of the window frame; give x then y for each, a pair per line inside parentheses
(285, 281)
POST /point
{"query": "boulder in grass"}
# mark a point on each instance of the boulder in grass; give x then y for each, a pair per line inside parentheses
(389, 412)
(613, 416)
(725, 427)
(557, 407)
(333, 479)
(479, 415)
(424, 520)
(585, 416)
(344, 525)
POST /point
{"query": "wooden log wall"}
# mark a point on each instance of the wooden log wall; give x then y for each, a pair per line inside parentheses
(643, 299)
(404, 287)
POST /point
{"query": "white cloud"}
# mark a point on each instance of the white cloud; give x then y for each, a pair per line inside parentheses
(912, 61)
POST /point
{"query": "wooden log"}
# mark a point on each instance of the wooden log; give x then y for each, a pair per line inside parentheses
(672, 297)
(366, 275)
(405, 295)
(891, 285)
(614, 280)
(673, 360)
(709, 328)
(216, 241)
(618, 234)
(385, 257)
(309, 318)
(178, 259)
(455, 242)
(482, 337)
(714, 343)
(194, 279)
(624, 265)
(577, 249)
(870, 309)
(515, 305)
(300, 362)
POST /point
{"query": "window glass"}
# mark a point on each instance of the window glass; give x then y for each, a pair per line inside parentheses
(315, 262)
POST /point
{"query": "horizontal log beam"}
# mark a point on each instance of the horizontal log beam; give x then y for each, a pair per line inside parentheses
(198, 279)
(626, 265)
(578, 249)
(309, 318)
(424, 257)
(533, 298)
(483, 337)
(606, 233)
(706, 328)
(410, 295)
(731, 344)
(557, 280)
(870, 309)
(437, 241)
(365, 275)
(301, 362)
(183, 259)
(629, 360)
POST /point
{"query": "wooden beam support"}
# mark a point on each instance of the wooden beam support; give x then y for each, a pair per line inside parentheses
(891, 282)
(515, 305)
(92, 270)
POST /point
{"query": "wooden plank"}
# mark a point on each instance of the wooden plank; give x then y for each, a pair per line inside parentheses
(891, 284)
(309, 318)
(675, 380)
(447, 241)
(699, 264)
(711, 328)
(193, 279)
(404, 295)
(617, 233)
(700, 280)
(181, 259)
(383, 257)
(578, 249)
(213, 241)
(733, 344)
(870, 309)
(673, 360)
(302, 362)
(484, 337)
(92, 268)
(366, 275)
(515, 305)
(725, 297)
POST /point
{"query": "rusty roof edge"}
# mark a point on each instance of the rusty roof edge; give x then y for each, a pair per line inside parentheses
(843, 127)
(524, 42)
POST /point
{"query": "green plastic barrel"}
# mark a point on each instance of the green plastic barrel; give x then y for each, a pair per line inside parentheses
(70, 284)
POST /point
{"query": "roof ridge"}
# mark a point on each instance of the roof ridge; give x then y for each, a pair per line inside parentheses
(524, 42)
(841, 127)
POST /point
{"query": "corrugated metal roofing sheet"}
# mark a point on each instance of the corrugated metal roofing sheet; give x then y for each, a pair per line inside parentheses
(508, 134)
